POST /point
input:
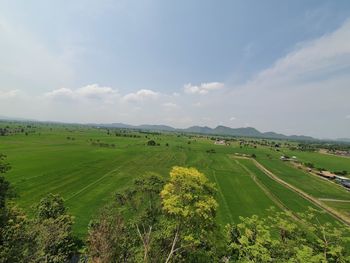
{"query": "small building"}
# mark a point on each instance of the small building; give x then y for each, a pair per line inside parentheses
(220, 142)
(327, 174)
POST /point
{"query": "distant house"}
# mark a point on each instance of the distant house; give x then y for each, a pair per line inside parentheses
(327, 174)
(285, 158)
(220, 142)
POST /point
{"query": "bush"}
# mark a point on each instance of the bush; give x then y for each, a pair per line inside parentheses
(151, 143)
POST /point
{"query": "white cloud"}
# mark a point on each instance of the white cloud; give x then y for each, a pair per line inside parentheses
(203, 88)
(347, 116)
(311, 81)
(61, 93)
(8, 94)
(93, 91)
(170, 105)
(310, 61)
(233, 118)
(141, 95)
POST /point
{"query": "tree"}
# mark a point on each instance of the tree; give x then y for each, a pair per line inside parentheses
(283, 237)
(16, 241)
(5, 190)
(189, 203)
(110, 239)
(125, 230)
(51, 206)
(53, 231)
(151, 143)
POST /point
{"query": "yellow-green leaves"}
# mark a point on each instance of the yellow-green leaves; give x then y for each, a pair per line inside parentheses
(189, 194)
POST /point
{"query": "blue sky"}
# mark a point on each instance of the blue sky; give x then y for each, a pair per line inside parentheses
(273, 65)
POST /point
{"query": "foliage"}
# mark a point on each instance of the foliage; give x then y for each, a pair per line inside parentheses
(51, 206)
(282, 238)
(151, 143)
(53, 231)
(188, 200)
(110, 239)
(16, 241)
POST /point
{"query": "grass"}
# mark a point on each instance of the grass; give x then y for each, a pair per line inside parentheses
(87, 176)
(327, 161)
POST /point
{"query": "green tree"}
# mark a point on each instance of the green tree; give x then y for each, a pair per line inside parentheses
(51, 206)
(53, 231)
(16, 241)
(284, 237)
(189, 204)
(128, 227)
(151, 143)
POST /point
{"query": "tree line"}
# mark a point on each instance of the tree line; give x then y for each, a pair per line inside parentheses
(164, 220)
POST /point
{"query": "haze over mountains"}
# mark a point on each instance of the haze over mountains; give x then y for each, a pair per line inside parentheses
(219, 130)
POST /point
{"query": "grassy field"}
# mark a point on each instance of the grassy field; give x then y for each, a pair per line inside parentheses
(320, 160)
(87, 175)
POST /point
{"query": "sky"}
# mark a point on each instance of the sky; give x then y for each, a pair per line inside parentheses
(275, 65)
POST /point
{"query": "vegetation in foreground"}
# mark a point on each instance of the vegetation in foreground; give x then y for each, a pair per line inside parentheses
(165, 221)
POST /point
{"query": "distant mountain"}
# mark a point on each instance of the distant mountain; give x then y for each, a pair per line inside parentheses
(219, 130)
(344, 140)
(156, 127)
(197, 129)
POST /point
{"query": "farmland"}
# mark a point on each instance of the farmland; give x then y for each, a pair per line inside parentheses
(87, 165)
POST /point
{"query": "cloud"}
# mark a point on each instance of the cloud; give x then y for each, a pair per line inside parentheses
(141, 95)
(347, 116)
(203, 88)
(92, 92)
(233, 118)
(8, 94)
(308, 82)
(170, 105)
(310, 61)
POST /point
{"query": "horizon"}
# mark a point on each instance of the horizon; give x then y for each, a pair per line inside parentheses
(19, 119)
(281, 67)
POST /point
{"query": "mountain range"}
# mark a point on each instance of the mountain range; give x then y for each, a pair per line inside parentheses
(219, 130)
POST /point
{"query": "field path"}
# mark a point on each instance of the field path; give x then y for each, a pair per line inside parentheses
(308, 197)
(274, 198)
(93, 183)
(334, 200)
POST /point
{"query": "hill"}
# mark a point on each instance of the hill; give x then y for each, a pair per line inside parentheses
(219, 130)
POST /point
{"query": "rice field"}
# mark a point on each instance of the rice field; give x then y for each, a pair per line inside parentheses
(67, 160)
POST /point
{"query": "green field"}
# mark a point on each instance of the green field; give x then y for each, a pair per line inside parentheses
(88, 175)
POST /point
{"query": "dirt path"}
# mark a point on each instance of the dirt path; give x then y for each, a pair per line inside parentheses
(334, 200)
(306, 196)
